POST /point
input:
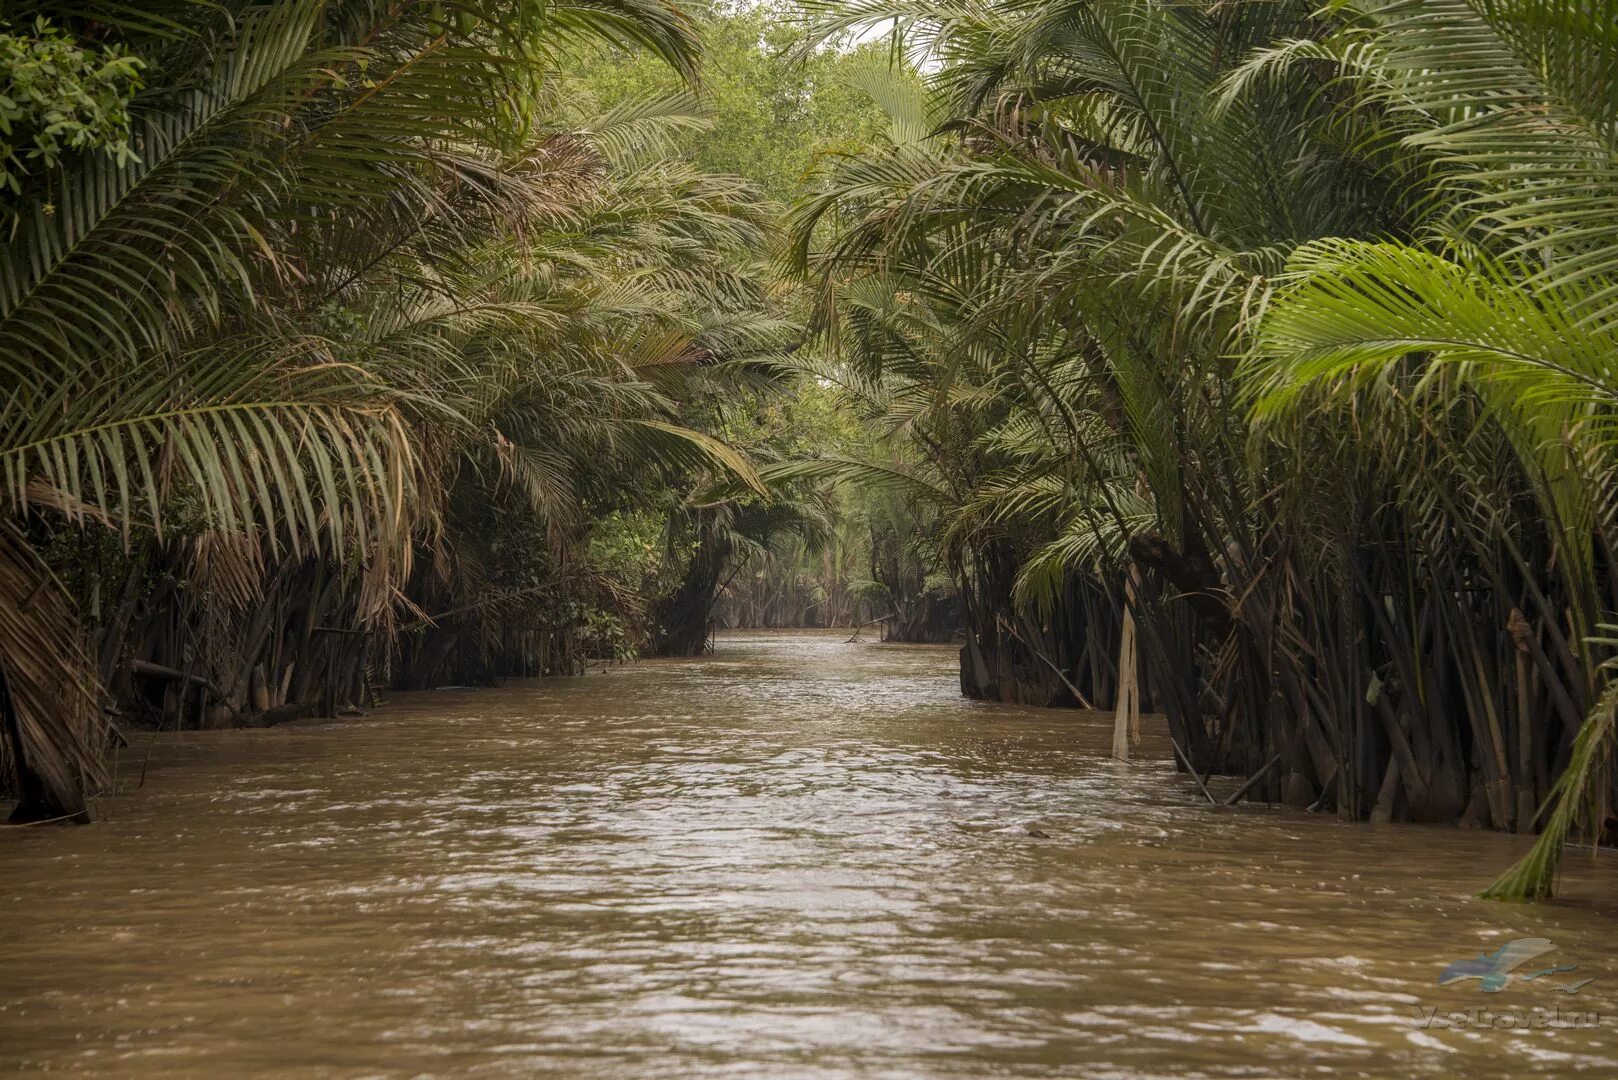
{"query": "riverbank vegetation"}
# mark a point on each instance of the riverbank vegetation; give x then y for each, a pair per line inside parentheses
(1248, 361)
(328, 348)
(1273, 341)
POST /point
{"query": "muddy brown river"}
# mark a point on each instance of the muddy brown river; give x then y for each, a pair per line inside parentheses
(795, 858)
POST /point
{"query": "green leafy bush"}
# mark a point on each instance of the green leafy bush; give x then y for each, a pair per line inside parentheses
(56, 97)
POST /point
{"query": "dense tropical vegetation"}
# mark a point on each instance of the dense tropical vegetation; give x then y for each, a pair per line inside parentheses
(331, 329)
(1251, 362)
(1272, 341)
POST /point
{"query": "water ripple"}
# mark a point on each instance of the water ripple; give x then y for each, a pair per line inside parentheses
(795, 858)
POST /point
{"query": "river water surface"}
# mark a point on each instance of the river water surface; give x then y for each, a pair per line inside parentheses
(794, 858)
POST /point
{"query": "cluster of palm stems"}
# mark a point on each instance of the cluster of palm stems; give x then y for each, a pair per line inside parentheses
(1259, 356)
(316, 387)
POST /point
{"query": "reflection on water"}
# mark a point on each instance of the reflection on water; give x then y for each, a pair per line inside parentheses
(795, 858)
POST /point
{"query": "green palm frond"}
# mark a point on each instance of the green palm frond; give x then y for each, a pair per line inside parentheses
(292, 450)
(830, 467)
(1580, 794)
(1514, 101)
(1349, 309)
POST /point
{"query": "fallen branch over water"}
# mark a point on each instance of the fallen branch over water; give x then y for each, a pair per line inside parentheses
(1251, 780)
(159, 671)
(1192, 769)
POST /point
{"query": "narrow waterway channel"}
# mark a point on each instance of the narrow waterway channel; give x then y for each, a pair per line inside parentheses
(797, 857)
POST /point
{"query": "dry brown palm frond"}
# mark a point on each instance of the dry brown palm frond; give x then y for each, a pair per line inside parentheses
(49, 704)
